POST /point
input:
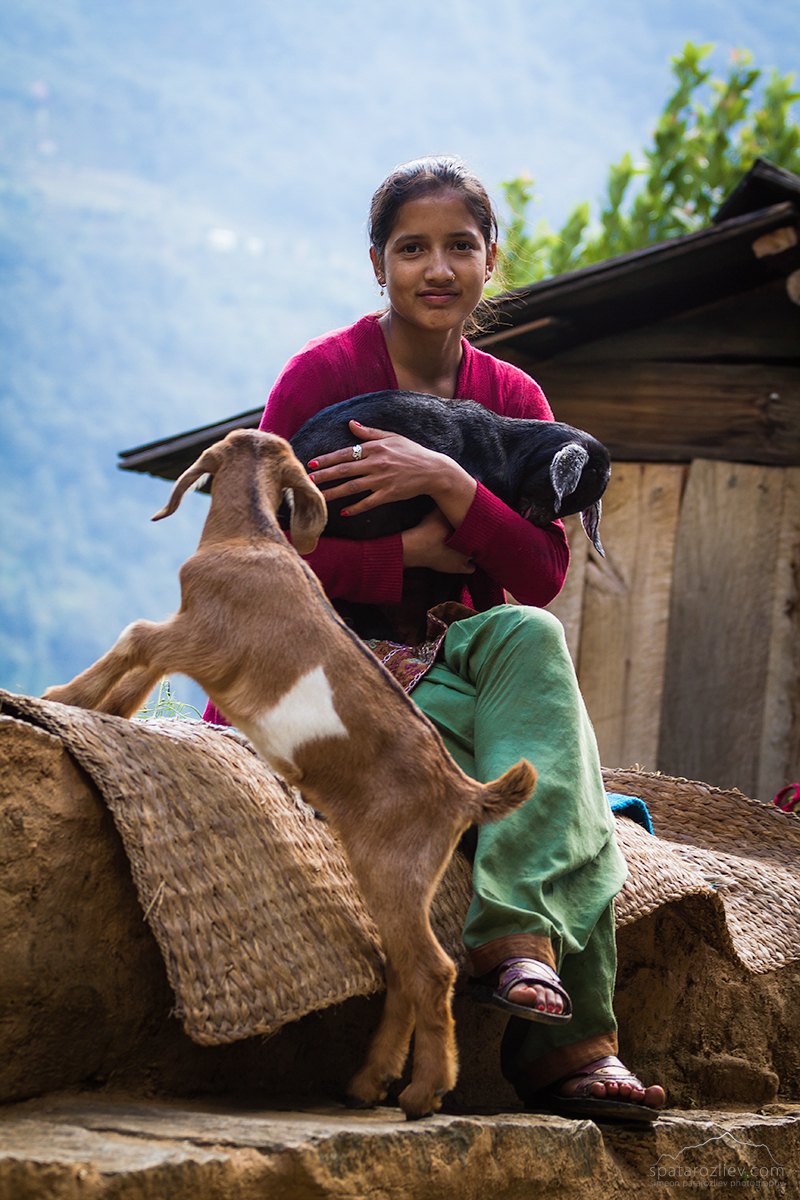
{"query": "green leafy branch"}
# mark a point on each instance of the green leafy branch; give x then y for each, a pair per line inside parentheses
(710, 133)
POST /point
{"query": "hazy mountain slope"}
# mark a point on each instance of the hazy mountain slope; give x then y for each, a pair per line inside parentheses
(183, 188)
(130, 310)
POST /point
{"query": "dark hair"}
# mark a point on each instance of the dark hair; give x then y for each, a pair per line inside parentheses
(421, 177)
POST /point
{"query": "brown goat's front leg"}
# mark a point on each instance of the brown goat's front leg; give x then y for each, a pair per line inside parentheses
(129, 694)
(121, 680)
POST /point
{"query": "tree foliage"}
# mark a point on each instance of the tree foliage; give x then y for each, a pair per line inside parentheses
(710, 133)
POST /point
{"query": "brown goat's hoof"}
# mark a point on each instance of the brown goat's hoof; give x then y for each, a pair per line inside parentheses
(357, 1102)
(416, 1105)
(367, 1088)
(419, 1116)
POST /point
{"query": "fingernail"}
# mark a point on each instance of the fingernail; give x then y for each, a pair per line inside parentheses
(311, 477)
(345, 513)
(358, 423)
(313, 464)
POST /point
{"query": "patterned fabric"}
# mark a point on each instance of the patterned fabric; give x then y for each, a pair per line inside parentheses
(788, 798)
(409, 664)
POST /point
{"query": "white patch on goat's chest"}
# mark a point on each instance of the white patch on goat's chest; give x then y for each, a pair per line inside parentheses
(304, 714)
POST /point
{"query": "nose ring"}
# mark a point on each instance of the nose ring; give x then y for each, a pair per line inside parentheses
(357, 452)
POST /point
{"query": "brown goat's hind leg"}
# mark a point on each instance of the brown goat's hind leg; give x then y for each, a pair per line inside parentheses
(139, 650)
(129, 694)
(419, 986)
(430, 982)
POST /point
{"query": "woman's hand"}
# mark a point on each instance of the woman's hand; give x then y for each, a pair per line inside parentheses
(392, 467)
(423, 546)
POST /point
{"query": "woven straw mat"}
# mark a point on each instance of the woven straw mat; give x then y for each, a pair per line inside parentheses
(744, 856)
(257, 916)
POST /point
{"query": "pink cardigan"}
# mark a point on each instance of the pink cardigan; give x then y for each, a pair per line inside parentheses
(509, 553)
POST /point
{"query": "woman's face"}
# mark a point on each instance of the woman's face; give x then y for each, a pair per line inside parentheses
(436, 263)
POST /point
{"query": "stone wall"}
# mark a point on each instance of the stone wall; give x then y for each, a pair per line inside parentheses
(84, 998)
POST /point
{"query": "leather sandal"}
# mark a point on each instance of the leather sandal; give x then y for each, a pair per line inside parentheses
(594, 1108)
(488, 990)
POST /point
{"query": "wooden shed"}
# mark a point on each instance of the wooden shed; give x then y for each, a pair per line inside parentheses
(683, 358)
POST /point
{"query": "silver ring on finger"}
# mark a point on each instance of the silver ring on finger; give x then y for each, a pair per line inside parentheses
(357, 450)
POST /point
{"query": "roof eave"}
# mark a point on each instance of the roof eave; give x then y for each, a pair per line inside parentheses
(643, 286)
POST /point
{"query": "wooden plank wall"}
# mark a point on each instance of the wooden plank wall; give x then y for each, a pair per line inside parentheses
(615, 609)
(667, 411)
(685, 636)
(779, 752)
(730, 691)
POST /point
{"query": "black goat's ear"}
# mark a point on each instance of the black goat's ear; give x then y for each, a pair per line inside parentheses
(590, 520)
(565, 471)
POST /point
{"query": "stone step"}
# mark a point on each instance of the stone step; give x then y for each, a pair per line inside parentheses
(83, 1147)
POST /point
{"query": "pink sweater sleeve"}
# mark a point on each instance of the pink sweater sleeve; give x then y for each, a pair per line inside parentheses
(529, 562)
(369, 572)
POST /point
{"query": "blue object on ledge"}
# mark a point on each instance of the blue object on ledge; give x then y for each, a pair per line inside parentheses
(631, 807)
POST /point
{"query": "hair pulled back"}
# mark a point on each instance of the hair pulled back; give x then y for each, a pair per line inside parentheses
(422, 177)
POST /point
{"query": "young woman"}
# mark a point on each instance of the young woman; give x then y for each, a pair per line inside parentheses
(540, 930)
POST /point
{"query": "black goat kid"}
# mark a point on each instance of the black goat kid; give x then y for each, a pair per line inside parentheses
(541, 469)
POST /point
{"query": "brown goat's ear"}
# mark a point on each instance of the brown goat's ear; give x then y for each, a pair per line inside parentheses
(207, 464)
(308, 508)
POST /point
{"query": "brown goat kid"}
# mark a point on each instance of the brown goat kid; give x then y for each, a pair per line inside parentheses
(258, 634)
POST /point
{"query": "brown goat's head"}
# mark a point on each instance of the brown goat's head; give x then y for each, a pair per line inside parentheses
(250, 450)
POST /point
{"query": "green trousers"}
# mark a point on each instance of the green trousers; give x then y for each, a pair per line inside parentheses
(544, 877)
